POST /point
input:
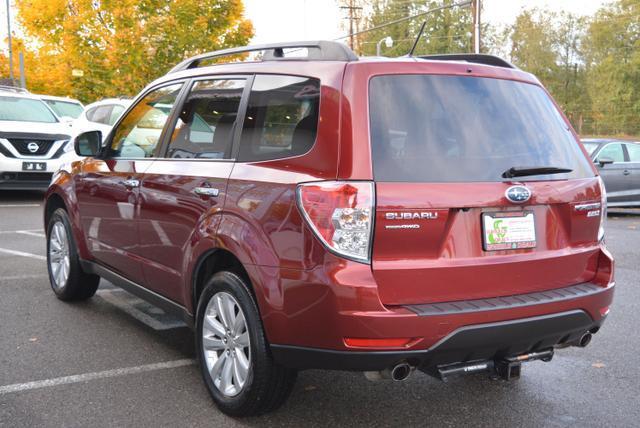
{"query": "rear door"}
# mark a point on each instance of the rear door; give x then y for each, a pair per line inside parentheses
(186, 189)
(445, 227)
(632, 191)
(617, 175)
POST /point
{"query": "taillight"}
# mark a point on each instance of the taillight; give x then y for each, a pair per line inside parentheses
(340, 213)
(603, 210)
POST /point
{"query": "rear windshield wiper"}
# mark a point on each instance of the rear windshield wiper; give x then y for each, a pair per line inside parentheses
(523, 171)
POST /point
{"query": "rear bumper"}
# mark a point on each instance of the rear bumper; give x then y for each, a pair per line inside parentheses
(470, 343)
(308, 315)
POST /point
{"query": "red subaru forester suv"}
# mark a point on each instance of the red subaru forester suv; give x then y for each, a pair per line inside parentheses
(309, 209)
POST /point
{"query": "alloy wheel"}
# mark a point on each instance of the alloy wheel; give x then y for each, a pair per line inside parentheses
(226, 344)
(59, 262)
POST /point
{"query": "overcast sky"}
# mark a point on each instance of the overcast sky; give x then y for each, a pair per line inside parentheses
(287, 20)
(290, 20)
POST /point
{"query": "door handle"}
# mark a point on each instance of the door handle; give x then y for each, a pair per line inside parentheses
(206, 191)
(626, 172)
(131, 183)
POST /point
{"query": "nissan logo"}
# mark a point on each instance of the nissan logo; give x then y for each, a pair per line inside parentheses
(518, 194)
(33, 147)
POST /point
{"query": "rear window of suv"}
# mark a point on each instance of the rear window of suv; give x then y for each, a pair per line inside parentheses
(428, 128)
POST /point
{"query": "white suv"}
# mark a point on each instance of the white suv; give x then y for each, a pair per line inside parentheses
(101, 115)
(33, 141)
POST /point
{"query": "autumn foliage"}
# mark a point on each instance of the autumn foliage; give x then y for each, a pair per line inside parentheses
(120, 45)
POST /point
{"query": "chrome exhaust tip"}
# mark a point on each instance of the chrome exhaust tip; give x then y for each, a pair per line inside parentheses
(585, 340)
(397, 373)
(401, 372)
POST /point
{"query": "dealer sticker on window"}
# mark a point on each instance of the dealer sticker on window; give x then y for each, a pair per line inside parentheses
(508, 230)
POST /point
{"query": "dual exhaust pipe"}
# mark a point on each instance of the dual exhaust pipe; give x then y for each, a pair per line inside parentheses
(397, 373)
(402, 371)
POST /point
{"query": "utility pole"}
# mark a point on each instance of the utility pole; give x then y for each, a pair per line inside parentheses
(476, 6)
(353, 17)
(9, 37)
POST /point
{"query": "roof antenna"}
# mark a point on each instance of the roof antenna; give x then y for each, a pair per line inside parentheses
(415, 43)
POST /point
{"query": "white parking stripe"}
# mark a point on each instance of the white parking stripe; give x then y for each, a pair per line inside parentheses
(30, 233)
(22, 254)
(16, 387)
(19, 205)
(19, 277)
(17, 231)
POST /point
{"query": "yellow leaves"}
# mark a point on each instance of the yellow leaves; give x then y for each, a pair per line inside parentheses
(121, 45)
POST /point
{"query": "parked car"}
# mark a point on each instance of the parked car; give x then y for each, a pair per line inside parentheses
(65, 108)
(101, 115)
(33, 141)
(618, 162)
(336, 212)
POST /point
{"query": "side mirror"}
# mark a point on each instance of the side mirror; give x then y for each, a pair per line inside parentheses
(88, 143)
(604, 161)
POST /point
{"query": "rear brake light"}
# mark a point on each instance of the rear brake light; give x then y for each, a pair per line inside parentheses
(603, 210)
(341, 215)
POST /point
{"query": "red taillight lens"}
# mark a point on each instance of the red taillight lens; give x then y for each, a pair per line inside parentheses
(341, 215)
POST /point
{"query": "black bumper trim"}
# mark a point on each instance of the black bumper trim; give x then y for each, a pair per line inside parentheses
(507, 302)
(470, 343)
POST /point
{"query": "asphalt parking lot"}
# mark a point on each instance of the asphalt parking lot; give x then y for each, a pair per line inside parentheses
(116, 361)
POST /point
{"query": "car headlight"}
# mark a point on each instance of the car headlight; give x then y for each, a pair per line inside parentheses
(68, 146)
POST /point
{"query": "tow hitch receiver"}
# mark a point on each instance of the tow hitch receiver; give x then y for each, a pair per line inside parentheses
(506, 368)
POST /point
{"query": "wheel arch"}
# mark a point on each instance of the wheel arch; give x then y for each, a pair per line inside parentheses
(58, 196)
(211, 262)
(52, 203)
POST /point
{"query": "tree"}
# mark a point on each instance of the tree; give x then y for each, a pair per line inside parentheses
(549, 45)
(612, 57)
(447, 30)
(121, 45)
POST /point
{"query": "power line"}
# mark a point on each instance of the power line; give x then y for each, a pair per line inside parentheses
(353, 18)
(406, 18)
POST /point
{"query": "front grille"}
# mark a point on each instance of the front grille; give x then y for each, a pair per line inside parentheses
(22, 146)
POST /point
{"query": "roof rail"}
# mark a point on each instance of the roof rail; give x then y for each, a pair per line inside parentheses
(319, 50)
(474, 58)
(16, 89)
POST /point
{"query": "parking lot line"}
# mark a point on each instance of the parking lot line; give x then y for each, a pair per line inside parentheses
(19, 277)
(144, 312)
(19, 231)
(31, 233)
(22, 254)
(17, 387)
(18, 205)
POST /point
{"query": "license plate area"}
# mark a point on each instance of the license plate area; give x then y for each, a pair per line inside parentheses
(513, 230)
(34, 166)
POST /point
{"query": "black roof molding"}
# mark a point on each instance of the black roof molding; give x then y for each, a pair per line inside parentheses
(473, 58)
(319, 50)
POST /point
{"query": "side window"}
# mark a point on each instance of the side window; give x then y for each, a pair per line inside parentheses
(281, 119)
(101, 114)
(634, 152)
(116, 111)
(612, 151)
(139, 132)
(90, 113)
(207, 121)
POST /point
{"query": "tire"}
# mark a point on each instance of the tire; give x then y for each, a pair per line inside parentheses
(266, 384)
(66, 276)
